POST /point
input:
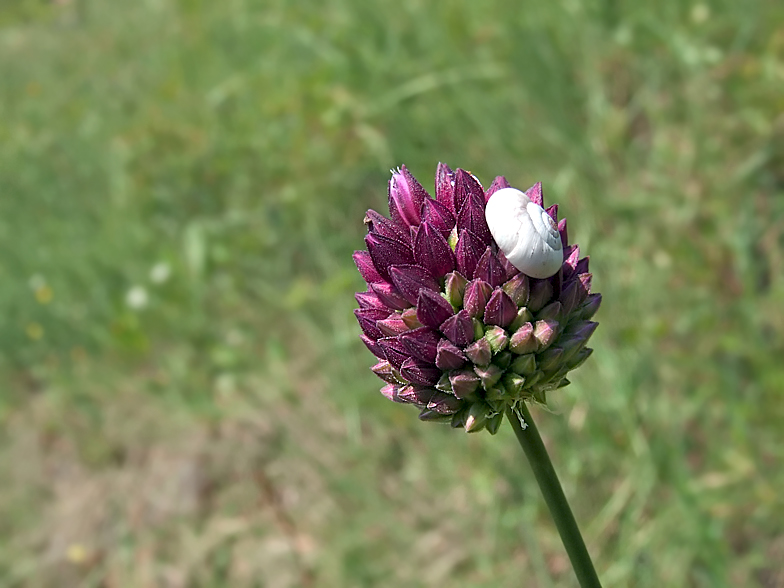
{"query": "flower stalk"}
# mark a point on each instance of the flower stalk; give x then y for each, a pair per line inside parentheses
(535, 451)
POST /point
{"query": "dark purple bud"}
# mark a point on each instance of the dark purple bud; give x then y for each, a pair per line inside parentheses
(535, 194)
(433, 252)
(579, 358)
(449, 357)
(468, 251)
(564, 234)
(571, 257)
(374, 346)
(433, 309)
(384, 370)
(438, 216)
(391, 392)
(577, 338)
(406, 197)
(500, 309)
(510, 270)
(464, 383)
(420, 372)
(422, 343)
(545, 333)
(552, 311)
(444, 404)
(377, 223)
(431, 416)
(472, 217)
(410, 279)
(553, 212)
(541, 293)
(518, 289)
(550, 359)
(454, 287)
(523, 341)
(410, 318)
(418, 395)
(584, 281)
(386, 252)
(475, 299)
(394, 351)
(368, 318)
(498, 340)
(479, 352)
(582, 266)
(590, 306)
(370, 300)
(365, 266)
(490, 269)
(390, 296)
(570, 296)
(392, 327)
(445, 187)
(466, 185)
(458, 328)
(498, 183)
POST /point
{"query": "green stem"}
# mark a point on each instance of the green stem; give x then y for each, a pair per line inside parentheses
(540, 462)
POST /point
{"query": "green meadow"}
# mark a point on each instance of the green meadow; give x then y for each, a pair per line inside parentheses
(185, 401)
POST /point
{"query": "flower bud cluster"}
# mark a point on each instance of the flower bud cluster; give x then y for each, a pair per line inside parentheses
(459, 332)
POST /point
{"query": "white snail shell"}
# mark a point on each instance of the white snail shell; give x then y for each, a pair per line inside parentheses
(524, 231)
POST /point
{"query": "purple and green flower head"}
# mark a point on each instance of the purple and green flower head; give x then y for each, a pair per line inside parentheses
(475, 299)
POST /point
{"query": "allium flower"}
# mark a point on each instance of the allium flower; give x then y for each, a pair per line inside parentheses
(459, 331)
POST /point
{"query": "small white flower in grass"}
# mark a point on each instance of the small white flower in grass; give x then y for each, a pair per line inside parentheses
(136, 298)
(526, 234)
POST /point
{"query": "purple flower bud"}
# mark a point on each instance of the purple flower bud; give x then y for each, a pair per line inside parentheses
(381, 225)
(406, 196)
(418, 395)
(455, 286)
(570, 296)
(472, 218)
(552, 311)
(584, 287)
(475, 299)
(479, 352)
(384, 370)
(427, 415)
(498, 339)
(571, 257)
(545, 333)
(488, 375)
(410, 318)
(518, 289)
(500, 309)
(458, 328)
(579, 358)
(419, 372)
(466, 185)
(550, 359)
(370, 300)
(365, 266)
(449, 357)
(386, 252)
(553, 212)
(490, 269)
(464, 383)
(392, 326)
(433, 252)
(445, 187)
(438, 216)
(590, 306)
(394, 351)
(391, 391)
(373, 346)
(523, 341)
(498, 184)
(577, 337)
(422, 343)
(410, 279)
(541, 293)
(390, 296)
(563, 232)
(442, 403)
(433, 309)
(535, 194)
(368, 318)
(582, 265)
(468, 251)
(510, 270)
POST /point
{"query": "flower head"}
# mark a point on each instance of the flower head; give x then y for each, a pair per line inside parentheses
(460, 331)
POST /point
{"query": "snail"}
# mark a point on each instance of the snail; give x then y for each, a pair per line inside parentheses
(525, 233)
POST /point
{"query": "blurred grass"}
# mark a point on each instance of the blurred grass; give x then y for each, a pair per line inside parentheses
(187, 402)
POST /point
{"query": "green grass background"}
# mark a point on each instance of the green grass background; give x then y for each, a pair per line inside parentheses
(185, 400)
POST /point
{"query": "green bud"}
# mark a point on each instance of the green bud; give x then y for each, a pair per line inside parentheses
(444, 384)
(550, 312)
(479, 330)
(523, 316)
(514, 384)
(477, 416)
(489, 375)
(410, 318)
(455, 286)
(494, 423)
(545, 333)
(480, 352)
(497, 338)
(523, 340)
(550, 358)
(503, 359)
(517, 289)
(524, 364)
